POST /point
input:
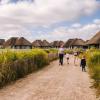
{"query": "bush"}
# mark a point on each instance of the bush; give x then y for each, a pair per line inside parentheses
(93, 61)
(18, 63)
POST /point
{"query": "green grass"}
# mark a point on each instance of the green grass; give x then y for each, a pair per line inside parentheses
(93, 62)
(15, 64)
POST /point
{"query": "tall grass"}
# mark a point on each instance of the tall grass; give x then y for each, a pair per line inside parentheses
(93, 61)
(18, 63)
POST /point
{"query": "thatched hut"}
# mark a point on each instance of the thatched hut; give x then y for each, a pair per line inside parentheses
(45, 44)
(75, 43)
(55, 44)
(18, 43)
(37, 44)
(22, 43)
(10, 43)
(95, 41)
(2, 41)
(68, 43)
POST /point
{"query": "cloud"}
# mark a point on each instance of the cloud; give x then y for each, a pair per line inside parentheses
(21, 17)
(76, 25)
(85, 31)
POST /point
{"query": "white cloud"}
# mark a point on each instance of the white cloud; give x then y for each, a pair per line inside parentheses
(85, 32)
(97, 21)
(76, 25)
(17, 18)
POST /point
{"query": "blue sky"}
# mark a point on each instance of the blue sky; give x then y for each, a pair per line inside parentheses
(49, 19)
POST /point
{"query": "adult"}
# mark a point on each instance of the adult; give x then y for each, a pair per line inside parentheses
(61, 55)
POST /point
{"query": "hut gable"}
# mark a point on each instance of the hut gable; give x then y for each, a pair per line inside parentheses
(37, 43)
(56, 44)
(77, 42)
(10, 42)
(22, 42)
(45, 43)
(68, 43)
(95, 39)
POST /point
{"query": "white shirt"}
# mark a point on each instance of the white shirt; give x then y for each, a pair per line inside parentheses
(61, 51)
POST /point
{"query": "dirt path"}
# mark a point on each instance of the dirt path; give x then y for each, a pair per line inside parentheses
(52, 83)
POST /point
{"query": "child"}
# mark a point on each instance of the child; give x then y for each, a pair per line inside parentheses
(83, 64)
(67, 57)
(75, 57)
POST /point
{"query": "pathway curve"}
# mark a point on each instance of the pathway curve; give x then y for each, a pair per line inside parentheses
(54, 82)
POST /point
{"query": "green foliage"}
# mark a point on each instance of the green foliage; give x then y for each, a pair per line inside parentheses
(93, 61)
(15, 64)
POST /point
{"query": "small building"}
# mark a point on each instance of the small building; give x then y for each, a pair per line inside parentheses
(22, 43)
(18, 43)
(95, 41)
(45, 44)
(75, 43)
(2, 41)
(68, 43)
(57, 44)
(37, 44)
(10, 42)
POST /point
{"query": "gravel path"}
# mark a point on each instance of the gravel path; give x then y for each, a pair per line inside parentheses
(54, 82)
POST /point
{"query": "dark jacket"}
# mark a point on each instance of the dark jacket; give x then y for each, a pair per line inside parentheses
(83, 62)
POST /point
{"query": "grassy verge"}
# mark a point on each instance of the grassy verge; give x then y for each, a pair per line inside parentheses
(93, 62)
(18, 63)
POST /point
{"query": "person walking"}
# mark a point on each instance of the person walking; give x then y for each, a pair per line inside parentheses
(67, 57)
(61, 55)
(75, 57)
(83, 64)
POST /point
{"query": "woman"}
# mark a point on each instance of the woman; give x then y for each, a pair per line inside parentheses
(61, 55)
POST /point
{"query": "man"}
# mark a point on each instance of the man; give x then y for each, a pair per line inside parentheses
(61, 55)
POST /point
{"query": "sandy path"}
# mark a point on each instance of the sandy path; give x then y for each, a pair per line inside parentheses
(52, 83)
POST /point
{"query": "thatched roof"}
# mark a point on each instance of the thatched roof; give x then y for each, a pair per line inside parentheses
(55, 43)
(37, 43)
(74, 42)
(77, 42)
(2, 41)
(22, 41)
(95, 39)
(45, 43)
(10, 42)
(68, 43)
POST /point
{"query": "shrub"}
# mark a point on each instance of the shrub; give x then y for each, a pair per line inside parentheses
(18, 63)
(93, 61)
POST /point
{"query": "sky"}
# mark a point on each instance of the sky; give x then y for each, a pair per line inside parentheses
(49, 19)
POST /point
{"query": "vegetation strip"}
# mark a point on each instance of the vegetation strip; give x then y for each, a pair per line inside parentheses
(17, 64)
